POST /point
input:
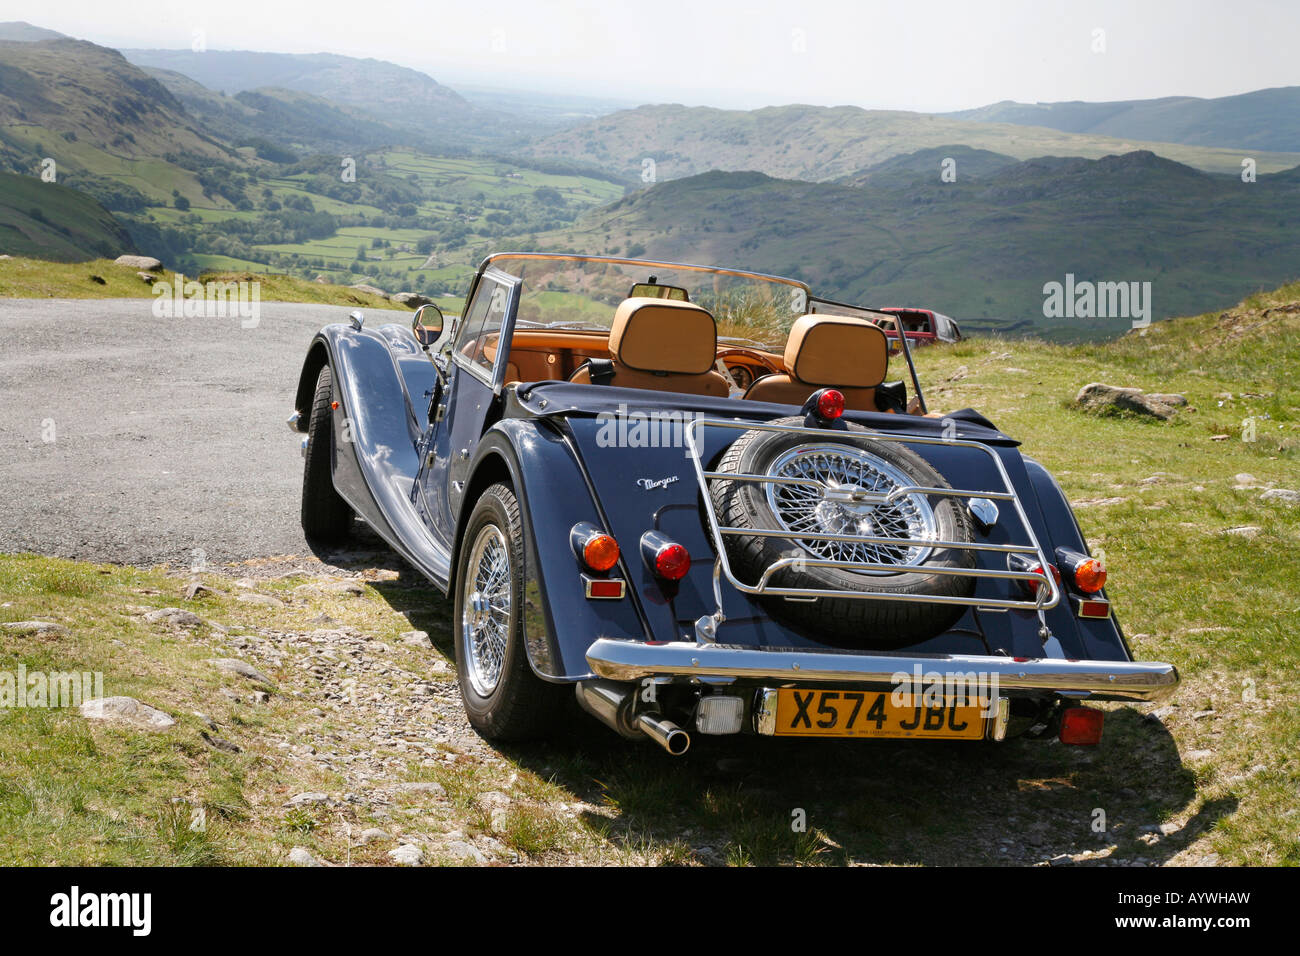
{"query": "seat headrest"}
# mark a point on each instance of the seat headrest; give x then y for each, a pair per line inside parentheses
(837, 350)
(663, 335)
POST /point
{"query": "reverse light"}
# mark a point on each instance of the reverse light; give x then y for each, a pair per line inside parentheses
(593, 547)
(1087, 574)
(1081, 726)
(664, 556)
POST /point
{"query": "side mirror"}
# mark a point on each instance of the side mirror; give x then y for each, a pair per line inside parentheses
(427, 324)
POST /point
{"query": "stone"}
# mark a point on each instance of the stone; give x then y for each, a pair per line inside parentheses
(372, 835)
(34, 629)
(1096, 396)
(233, 665)
(416, 638)
(1245, 531)
(370, 289)
(412, 300)
(1283, 495)
(205, 720)
(301, 856)
(307, 799)
(219, 743)
(464, 851)
(139, 262)
(175, 616)
(148, 278)
(408, 854)
(126, 710)
(196, 589)
(263, 599)
(422, 786)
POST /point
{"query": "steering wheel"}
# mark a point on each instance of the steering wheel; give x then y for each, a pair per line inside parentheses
(754, 354)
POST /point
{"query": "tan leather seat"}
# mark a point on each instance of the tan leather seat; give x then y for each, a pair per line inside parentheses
(829, 351)
(664, 345)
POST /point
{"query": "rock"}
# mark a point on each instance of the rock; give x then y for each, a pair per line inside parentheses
(1096, 396)
(1170, 398)
(126, 710)
(259, 697)
(1095, 502)
(373, 834)
(1245, 531)
(1219, 437)
(422, 786)
(147, 277)
(205, 720)
(1199, 754)
(1284, 495)
(234, 665)
(408, 854)
(219, 743)
(34, 629)
(301, 856)
(321, 278)
(416, 638)
(175, 616)
(196, 589)
(307, 799)
(372, 290)
(263, 599)
(464, 851)
(412, 300)
(139, 262)
(330, 588)
(1246, 480)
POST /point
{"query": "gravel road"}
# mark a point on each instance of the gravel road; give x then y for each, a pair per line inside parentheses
(142, 440)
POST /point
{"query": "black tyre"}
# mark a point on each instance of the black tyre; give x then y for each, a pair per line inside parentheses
(844, 463)
(326, 517)
(504, 699)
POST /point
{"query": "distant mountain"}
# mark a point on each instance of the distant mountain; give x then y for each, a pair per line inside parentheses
(294, 120)
(21, 32)
(978, 248)
(956, 161)
(1264, 119)
(49, 221)
(403, 98)
(72, 98)
(826, 143)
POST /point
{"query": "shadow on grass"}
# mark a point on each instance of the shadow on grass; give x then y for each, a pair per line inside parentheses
(742, 799)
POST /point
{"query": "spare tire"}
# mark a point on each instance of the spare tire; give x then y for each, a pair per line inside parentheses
(845, 463)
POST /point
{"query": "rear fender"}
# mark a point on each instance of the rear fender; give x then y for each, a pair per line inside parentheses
(560, 621)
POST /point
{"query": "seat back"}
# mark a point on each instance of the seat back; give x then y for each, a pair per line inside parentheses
(829, 351)
(664, 345)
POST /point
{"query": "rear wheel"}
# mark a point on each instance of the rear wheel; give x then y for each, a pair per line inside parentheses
(504, 699)
(326, 517)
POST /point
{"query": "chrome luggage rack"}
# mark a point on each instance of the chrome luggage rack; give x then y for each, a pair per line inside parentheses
(706, 627)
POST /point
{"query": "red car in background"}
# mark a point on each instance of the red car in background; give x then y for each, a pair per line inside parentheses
(922, 326)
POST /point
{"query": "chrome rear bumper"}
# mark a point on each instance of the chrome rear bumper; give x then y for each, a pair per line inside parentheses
(1097, 680)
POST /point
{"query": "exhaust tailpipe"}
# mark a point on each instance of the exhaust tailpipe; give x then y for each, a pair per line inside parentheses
(665, 733)
(612, 704)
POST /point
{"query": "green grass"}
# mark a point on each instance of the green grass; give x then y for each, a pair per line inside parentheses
(34, 278)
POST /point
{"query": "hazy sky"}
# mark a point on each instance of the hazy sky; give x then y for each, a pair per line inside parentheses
(928, 55)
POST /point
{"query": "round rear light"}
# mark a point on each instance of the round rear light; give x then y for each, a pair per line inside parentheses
(830, 404)
(600, 552)
(1038, 569)
(1090, 576)
(672, 562)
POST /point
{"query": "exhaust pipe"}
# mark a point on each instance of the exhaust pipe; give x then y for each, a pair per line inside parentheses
(612, 704)
(665, 733)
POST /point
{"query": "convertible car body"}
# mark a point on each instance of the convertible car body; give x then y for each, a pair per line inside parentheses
(636, 498)
(921, 326)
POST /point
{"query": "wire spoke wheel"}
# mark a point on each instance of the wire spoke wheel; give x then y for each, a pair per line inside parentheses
(486, 606)
(850, 501)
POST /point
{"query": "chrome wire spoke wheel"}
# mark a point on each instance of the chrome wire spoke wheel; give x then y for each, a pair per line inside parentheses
(849, 500)
(487, 603)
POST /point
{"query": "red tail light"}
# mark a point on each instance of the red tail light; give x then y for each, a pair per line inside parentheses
(1081, 726)
(668, 559)
(830, 403)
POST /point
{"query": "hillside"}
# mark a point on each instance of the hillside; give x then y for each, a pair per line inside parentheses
(22, 32)
(979, 248)
(825, 143)
(49, 221)
(1262, 119)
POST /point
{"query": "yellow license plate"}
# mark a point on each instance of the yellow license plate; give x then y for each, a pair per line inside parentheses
(850, 713)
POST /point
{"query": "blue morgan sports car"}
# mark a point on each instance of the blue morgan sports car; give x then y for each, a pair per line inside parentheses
(693, 498)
